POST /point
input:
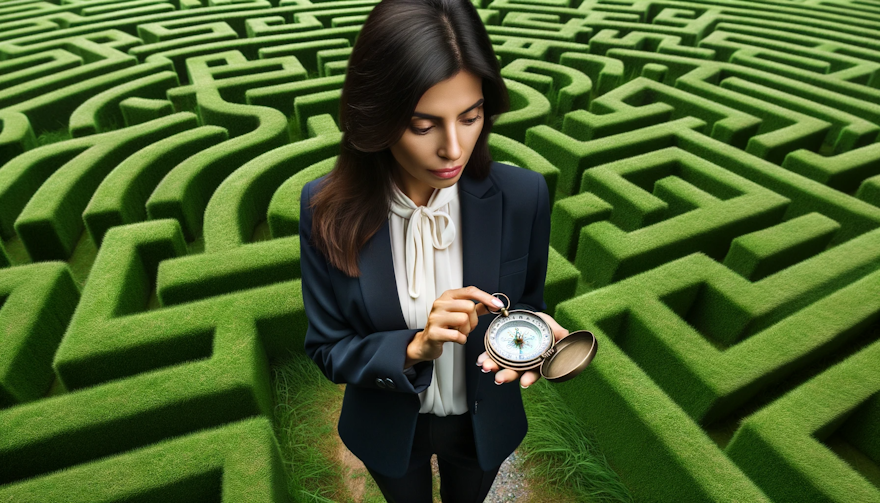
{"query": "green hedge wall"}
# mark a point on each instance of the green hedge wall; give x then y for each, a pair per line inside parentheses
(714, 168)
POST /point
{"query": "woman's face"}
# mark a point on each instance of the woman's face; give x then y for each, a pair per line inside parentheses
(442, 133)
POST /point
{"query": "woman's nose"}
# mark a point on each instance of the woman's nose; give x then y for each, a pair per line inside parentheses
(451, 149)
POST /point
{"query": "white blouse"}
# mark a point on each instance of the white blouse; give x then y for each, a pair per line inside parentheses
(427, 254)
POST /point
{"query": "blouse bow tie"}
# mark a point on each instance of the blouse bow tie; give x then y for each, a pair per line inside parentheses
(427, 226)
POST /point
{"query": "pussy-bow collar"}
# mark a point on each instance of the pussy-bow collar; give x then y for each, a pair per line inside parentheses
(480, 203)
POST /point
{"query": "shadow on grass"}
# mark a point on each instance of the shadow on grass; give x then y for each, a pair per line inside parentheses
(55, 136)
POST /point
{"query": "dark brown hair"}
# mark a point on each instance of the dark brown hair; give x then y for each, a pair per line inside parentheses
(404, 48)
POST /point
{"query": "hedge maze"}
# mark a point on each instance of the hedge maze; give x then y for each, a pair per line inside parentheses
(715, 177)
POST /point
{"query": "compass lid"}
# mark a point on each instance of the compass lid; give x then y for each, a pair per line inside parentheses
(570, 356)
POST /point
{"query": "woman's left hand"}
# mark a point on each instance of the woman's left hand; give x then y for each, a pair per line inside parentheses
(528, 377)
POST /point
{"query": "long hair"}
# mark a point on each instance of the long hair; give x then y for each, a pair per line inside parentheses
(404, 48)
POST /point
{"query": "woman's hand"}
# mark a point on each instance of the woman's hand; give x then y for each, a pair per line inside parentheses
(525, 378)
(453, 315)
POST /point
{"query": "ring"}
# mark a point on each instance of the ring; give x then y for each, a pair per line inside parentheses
(505, 308)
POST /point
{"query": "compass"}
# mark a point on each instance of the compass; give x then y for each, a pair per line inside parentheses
(521, 340)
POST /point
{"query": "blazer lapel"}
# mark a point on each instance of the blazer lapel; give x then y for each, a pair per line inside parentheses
(378, 283)
(481, 254)
(480, 233)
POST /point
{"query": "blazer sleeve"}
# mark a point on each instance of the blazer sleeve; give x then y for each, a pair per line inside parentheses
(539, 249)
(343, 354)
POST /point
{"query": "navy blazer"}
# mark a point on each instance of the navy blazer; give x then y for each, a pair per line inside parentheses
(357, 334)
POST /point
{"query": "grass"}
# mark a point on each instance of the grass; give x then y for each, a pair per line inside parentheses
(302, 429)
(307, 406)
(561, 463)
(56, 136)
(16, 251)
(558, 452)
(82, 258)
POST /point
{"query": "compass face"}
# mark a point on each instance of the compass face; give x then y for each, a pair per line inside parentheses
(520, 338)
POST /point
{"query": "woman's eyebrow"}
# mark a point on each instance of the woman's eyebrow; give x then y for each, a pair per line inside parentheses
(429, 116)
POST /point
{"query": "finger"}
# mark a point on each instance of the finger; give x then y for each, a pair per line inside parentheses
(473, 309)
(472, 292)
(555, 328)
(490, 366)
(529, 378)
(465, 307)
(559, 332)
(453, 319)
(467, 325)
(474, 320)
(448, 335)
(506, 375)
(456, 305)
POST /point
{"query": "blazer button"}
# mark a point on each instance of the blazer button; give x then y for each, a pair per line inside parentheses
(389, 383)
(380, 383)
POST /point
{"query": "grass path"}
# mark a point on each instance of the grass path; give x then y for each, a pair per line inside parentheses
(555, 457)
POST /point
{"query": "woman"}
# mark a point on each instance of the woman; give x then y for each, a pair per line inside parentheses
(403, 241)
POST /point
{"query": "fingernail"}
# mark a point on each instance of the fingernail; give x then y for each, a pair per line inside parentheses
(523, 387)
(481, 359)
(485, 371)
(497, 302)
(496, 382)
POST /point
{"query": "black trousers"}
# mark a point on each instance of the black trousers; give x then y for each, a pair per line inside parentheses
(461, 479)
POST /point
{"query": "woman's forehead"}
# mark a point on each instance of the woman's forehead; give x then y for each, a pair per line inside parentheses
(451, 97)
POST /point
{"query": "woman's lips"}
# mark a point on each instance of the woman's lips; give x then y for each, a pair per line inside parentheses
(448, 173)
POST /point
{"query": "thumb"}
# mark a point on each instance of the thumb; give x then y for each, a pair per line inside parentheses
(558, 331)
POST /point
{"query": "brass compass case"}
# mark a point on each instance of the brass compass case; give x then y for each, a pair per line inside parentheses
(521, 340)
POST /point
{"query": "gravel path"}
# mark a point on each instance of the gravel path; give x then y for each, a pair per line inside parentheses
(510, 484)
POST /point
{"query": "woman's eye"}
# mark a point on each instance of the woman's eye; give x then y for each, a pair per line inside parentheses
(468, 122)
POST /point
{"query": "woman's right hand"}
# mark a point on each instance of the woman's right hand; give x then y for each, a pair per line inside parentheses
(453, 315)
